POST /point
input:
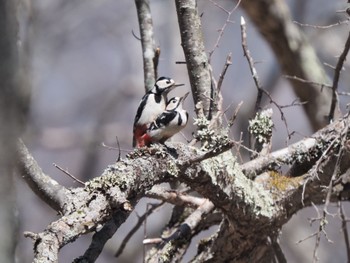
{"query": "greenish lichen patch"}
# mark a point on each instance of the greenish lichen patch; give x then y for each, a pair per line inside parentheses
(113, 175)
(210, 139)
(172, 168)
(238, 185)
(261, 126)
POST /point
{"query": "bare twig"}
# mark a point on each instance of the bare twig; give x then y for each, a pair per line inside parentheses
(322, 85)
(119, 152)
(344, 229)
(254, 73)
(139, 223)
(251, 64)
(137, 37)
(322, 27)
(222, 75)
(234, 116)
(338, 68)
(293, 61)
(174, 197)
(222, 30)
(69, 174)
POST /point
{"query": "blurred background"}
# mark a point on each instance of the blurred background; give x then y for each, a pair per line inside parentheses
(86, 80)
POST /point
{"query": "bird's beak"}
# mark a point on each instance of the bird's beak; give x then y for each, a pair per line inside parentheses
(184, 97)
(173, 87)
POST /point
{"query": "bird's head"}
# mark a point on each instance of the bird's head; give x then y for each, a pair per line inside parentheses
(176, 102)
(164, 85)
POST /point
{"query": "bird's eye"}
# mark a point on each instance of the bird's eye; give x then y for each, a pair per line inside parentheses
(168, 82)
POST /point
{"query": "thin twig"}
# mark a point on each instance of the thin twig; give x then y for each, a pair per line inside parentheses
(119, 152)
(108, 147)
(251, 64)
(222, 75)
(222, 30)
(174, 197)
(139, 223)
(67, 173)
(322, 27)
(235, 113)
(338, 68)
(322, 85)
(344, 229)
(134, 35)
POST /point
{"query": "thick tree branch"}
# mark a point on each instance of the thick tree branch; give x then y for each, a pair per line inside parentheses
(150, 53)
(219, 178)
(196, 57)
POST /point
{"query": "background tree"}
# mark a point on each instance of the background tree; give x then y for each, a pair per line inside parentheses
(248, 203)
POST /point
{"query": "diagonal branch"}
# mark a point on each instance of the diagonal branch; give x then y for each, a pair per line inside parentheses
(42, 185)
(337, 70)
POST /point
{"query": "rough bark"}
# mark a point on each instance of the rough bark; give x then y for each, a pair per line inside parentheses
(199, 69)
(253, 211)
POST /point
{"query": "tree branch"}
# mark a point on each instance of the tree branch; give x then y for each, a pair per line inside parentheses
(150, 53)
(196, 58)
(337, 70)
(214, 175)
(42, 185)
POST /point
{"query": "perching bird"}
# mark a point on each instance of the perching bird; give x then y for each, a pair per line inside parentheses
(170, 122)
(152, 104)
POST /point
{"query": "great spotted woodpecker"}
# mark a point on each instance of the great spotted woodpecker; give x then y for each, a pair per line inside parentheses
(151, 105)
(170, 122)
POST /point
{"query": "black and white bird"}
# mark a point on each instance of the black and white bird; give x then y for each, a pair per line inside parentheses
(170, 122)
(152, 104)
